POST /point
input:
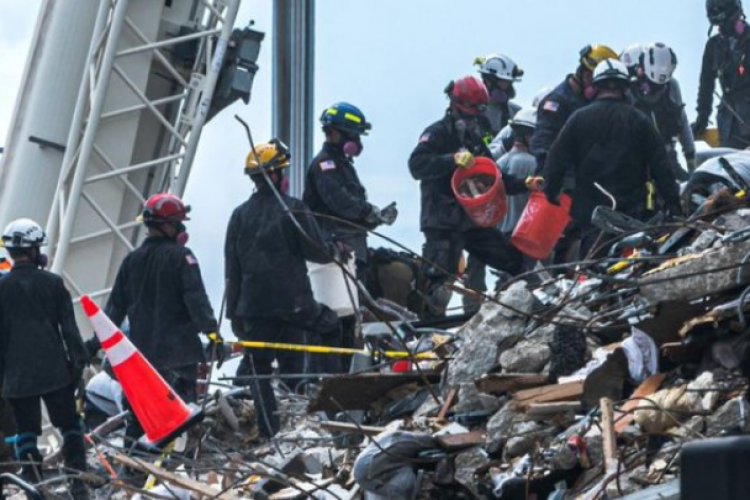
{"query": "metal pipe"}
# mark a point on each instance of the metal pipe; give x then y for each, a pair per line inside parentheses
(208, 92)
(171, 41)
(138, 107)
(71, 144)
(87, 143)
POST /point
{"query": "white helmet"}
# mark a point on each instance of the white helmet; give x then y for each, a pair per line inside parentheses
(611, 69)
(631, 56)
(500, 66)
(525, 117)
(24, 233)
(540, 95)
(659, 62)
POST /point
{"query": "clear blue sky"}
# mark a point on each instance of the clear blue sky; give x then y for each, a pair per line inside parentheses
(393, 58)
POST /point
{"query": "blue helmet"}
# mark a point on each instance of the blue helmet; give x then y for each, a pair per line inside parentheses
(345, 117)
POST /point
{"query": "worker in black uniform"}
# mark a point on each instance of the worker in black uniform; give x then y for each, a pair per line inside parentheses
(609, 143)
(43, 355)
(657, 93)
(573, 93)
(160, 290)
(726, 57)
(269, 298)
(333, 189)
(453, 142)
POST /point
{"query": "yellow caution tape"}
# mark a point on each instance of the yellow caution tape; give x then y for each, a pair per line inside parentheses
(320, 349)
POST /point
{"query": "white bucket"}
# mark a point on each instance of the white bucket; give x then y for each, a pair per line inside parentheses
(330, 286)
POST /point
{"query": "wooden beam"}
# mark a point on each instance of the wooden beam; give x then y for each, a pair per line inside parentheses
(649, 386)
(449, 399)
(569, 391)
(546, 409)
(609, 443)
(171, 478)
(498, 383)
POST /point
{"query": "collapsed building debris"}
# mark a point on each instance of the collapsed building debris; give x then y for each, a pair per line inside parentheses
(589, 383)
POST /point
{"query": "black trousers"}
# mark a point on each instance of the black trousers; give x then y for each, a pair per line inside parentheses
(61, 407)
(320, 328)
(443, 249)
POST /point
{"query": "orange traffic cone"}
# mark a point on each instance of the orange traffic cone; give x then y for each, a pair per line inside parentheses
(159, 410)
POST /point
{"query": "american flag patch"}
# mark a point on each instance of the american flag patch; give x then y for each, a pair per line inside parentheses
(192, 261)
(551, 106)
(327, 165)
(424, 138)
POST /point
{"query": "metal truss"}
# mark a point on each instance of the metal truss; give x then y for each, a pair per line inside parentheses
(143, 100)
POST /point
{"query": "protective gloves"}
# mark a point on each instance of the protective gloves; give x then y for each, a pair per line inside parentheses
(699, 126)
(463, 159)
(388, 214)
(216, 348)
(534, 183)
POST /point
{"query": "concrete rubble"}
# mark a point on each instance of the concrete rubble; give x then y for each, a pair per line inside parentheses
(588, 384)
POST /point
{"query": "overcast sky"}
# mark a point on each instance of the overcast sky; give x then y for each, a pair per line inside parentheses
(393, 58)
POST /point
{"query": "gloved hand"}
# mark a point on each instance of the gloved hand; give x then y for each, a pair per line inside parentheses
(92, 348)
(690, 163)
(373, 218)
(343, 251)
(699, 126)
(534, 183)
(388, 214)
(216, 348)
(463, 159)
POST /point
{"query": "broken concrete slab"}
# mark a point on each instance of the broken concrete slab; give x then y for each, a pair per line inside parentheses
(527, 355)
(493, 330)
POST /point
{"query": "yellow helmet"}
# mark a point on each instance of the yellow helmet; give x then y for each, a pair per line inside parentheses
(591, 55)
(273, 155)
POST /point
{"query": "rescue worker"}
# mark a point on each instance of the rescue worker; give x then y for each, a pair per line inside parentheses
(656, 93)
(503, 141)
(43, 356)
(453, 142)
(269, 298)
(611, 143)
(499, 72)
(333, 189)
(573, 93)
(631, 58)
(725, 57)
(160, 290)
(518, 162)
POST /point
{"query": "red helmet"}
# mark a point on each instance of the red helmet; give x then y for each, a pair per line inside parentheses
(468, 94)
(165, 207)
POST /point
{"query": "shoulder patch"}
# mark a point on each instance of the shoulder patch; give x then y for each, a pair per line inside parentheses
(424, 137)
(551, 106)
(192, 261)
(327, 165)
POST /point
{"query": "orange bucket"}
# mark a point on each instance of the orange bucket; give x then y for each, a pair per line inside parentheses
(485, 209)
(541, 225)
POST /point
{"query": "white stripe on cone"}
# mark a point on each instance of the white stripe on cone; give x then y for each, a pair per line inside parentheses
(105, 329)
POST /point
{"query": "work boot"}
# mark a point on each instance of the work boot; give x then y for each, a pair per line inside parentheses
(28, 455)
(74, 454)
(436, 302)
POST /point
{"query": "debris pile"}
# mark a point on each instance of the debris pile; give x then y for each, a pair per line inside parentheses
(586, 379)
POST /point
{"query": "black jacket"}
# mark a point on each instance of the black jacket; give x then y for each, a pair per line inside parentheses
(614, 144)
(333, 187)
(38, 333)
(432, 164)
(160, 289)
(552, 113)
(728, 59)
(265, 254)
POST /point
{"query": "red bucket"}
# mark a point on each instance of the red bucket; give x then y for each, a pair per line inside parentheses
(541, 225)
(487, 208)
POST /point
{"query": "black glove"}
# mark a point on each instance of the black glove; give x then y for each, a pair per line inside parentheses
(699, 126)
(216, 348)
(92, 348)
